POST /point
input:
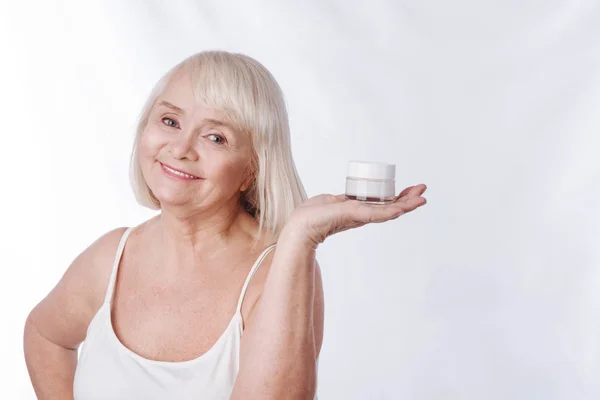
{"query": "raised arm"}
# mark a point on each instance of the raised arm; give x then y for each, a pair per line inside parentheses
(284, 330)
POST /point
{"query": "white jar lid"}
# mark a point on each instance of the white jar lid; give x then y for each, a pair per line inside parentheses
(371, 170)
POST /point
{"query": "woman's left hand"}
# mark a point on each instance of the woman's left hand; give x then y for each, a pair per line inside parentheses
(324, 215)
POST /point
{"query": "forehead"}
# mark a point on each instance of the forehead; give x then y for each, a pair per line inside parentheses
(180, 88)
(179, 95)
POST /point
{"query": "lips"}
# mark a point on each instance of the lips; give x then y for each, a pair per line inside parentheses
(177, 172)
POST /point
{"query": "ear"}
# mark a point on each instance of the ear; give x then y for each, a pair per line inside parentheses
(247, 182)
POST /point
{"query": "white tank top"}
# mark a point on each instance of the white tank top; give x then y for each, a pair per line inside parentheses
(108, 370)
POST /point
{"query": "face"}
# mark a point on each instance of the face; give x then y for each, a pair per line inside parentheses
(190, 155)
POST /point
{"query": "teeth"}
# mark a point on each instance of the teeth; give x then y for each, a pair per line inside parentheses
(180, 173)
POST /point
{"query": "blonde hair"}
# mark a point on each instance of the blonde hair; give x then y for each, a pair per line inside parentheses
(249, 96)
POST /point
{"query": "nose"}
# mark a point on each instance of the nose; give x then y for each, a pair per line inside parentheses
(183, 147)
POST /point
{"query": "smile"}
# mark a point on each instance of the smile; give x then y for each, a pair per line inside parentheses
(179, 174)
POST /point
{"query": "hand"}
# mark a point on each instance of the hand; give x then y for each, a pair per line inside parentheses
(324, 215)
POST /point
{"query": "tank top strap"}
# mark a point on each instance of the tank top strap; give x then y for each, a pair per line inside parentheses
(251, 274)
(115, 268)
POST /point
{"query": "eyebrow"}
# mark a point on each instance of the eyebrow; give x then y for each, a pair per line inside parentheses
(219, 123)
(215, 122)
(171, 106)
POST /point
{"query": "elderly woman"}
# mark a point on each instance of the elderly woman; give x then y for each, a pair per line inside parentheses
(198, 302)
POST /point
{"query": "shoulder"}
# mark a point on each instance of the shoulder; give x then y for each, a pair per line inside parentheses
(93, 266)
(257, 283)
(106, 242)
(255, 290)
(255, 287)
(91, 269)
(64, 314)
(98, 259)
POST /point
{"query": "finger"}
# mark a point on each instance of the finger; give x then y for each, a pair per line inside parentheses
(340, 197)
(412, 191)
(403, 193)
(410, 204)
(417, 190)
(372, 213)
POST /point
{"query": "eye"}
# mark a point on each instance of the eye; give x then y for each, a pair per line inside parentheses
(169, 122)
(216, 138)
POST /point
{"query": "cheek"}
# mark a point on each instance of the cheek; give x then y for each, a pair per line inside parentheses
(229, 173)
(151, 142)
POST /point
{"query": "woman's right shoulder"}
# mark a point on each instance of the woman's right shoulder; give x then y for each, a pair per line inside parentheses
(107, 243)
(93, 266)
(97, 260)
(65, 313)
(105, 246)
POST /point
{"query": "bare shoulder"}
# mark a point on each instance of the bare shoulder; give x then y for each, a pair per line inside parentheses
(255, 290)
(256, 285)
(65, 313)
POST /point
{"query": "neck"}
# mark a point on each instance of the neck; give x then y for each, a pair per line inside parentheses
(190, 239)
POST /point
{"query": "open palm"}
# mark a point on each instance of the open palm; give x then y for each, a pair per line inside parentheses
(324, 215)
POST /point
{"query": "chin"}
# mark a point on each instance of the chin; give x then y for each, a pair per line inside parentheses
(171, 197)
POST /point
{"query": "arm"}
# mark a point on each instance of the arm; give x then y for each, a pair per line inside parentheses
(284, 331)
(58, 324)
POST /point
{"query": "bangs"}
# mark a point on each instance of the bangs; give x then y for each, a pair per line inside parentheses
(228, 88)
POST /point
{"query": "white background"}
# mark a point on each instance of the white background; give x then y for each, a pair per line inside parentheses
(491, 291)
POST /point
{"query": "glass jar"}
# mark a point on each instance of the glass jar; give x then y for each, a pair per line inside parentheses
(371, 182)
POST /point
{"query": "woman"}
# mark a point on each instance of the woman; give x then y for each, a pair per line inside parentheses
(177, 307)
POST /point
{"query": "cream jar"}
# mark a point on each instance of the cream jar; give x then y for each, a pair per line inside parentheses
(371, 182)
